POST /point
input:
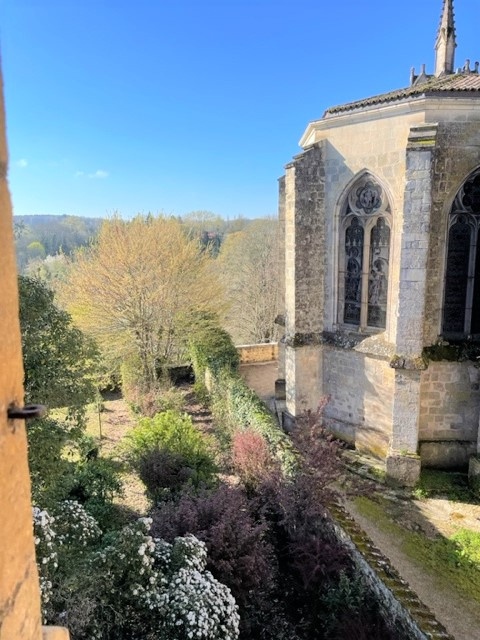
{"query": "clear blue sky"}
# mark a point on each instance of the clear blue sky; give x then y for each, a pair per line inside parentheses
(181, 105)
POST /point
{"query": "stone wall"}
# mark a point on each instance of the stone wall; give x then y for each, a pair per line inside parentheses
(449, 414)
(250, 353)
(361, 390)
(401, 608)
(457, 154)
(420, 167)
(303, 374)
(353, 146)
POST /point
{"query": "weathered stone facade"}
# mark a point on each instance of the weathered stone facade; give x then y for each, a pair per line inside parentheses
(367, 212)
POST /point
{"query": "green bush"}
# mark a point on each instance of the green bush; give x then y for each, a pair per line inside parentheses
(94, 484)
(211, 348)
(170, 434)
(233, 402)
(234, 405)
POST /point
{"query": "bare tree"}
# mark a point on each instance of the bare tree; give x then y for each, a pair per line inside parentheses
(248, 264)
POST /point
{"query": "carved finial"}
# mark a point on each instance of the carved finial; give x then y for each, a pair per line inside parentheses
(412, 76)
(446, 41)
(466, 68)
(477, 65)
(422, 77)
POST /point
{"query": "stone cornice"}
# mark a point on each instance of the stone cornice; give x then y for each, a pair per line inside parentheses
(458, 104)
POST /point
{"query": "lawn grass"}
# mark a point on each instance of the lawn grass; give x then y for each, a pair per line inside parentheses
(447, 484)
(453, 561)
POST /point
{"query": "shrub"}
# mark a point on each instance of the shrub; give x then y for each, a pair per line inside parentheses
(157, 399)
(232, 402)
(211, 348)
(64, 469)
(166, 473)
(149, 588)
(237, 405)
(134, 588)
(94, 484)
(170, 433)
(50, 471)
(62, 543)
(238, 553)
(310, 562)
(194, 600)
(251, 457)
(348, 613)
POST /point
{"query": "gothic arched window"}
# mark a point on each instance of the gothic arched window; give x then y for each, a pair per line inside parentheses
(364, 256)
(461, 305)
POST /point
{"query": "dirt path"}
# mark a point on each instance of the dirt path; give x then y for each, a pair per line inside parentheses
(459, 616)
(116, 420)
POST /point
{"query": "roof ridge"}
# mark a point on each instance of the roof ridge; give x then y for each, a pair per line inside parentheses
(463, 82)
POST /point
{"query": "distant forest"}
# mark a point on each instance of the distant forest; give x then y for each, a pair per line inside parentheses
(37, 237)
(44, 241)
(240, 256)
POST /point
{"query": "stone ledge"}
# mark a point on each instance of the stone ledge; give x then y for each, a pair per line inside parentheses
(401, 607)
(304, 340)
(409, 363)
(262, 352)
(55, 633)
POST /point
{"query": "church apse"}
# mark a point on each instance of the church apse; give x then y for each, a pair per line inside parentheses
(382, 265)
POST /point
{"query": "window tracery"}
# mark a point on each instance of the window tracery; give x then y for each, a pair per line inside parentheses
(461, 308)
(365, 256)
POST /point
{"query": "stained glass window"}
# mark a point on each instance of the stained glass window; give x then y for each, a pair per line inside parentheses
(461, 305)
(353, 272)
(456, 280)
(378, 275)
(366, 255)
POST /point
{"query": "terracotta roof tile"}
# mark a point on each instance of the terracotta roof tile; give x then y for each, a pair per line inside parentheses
(459, 82)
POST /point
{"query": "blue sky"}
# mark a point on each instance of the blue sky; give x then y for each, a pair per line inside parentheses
(180, 105)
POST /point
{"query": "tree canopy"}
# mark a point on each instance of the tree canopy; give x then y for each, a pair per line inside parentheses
(138, 289)
(58, 359)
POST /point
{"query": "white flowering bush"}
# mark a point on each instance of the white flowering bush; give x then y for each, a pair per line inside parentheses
(194, 604)
(148, 588)
(74, 526)
(128, 585)
(46, 552)
(59, 541)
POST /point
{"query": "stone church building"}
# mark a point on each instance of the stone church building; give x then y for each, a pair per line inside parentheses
(380, 215)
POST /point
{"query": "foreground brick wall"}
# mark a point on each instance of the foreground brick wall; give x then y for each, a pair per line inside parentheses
(19, 592)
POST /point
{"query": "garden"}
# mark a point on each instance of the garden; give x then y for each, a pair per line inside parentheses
(230, 539)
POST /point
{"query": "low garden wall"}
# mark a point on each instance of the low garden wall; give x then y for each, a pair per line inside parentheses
(250, 353)
(402, 609)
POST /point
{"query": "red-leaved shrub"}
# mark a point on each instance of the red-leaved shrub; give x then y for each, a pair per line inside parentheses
(238, 553)
(251, 457)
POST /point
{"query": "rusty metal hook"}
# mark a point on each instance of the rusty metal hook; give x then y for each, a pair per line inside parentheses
(27, 412)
